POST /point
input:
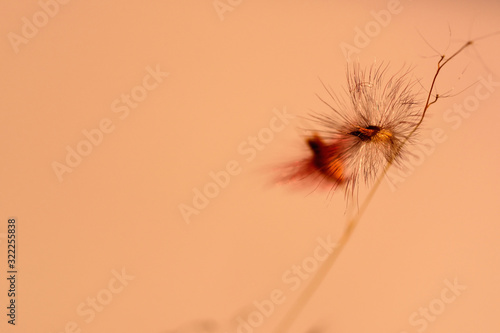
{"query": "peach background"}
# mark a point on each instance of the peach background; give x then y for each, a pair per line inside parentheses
(119, 207)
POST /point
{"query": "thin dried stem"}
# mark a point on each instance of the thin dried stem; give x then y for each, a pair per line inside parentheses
(323, 270)
(317, 279)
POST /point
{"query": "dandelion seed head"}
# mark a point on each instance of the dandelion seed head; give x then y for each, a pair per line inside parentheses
(361, 130)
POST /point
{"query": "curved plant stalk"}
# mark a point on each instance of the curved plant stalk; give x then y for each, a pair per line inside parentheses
(325, 267)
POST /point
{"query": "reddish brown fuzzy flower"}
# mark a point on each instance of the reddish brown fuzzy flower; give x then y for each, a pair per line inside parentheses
(360, 133)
